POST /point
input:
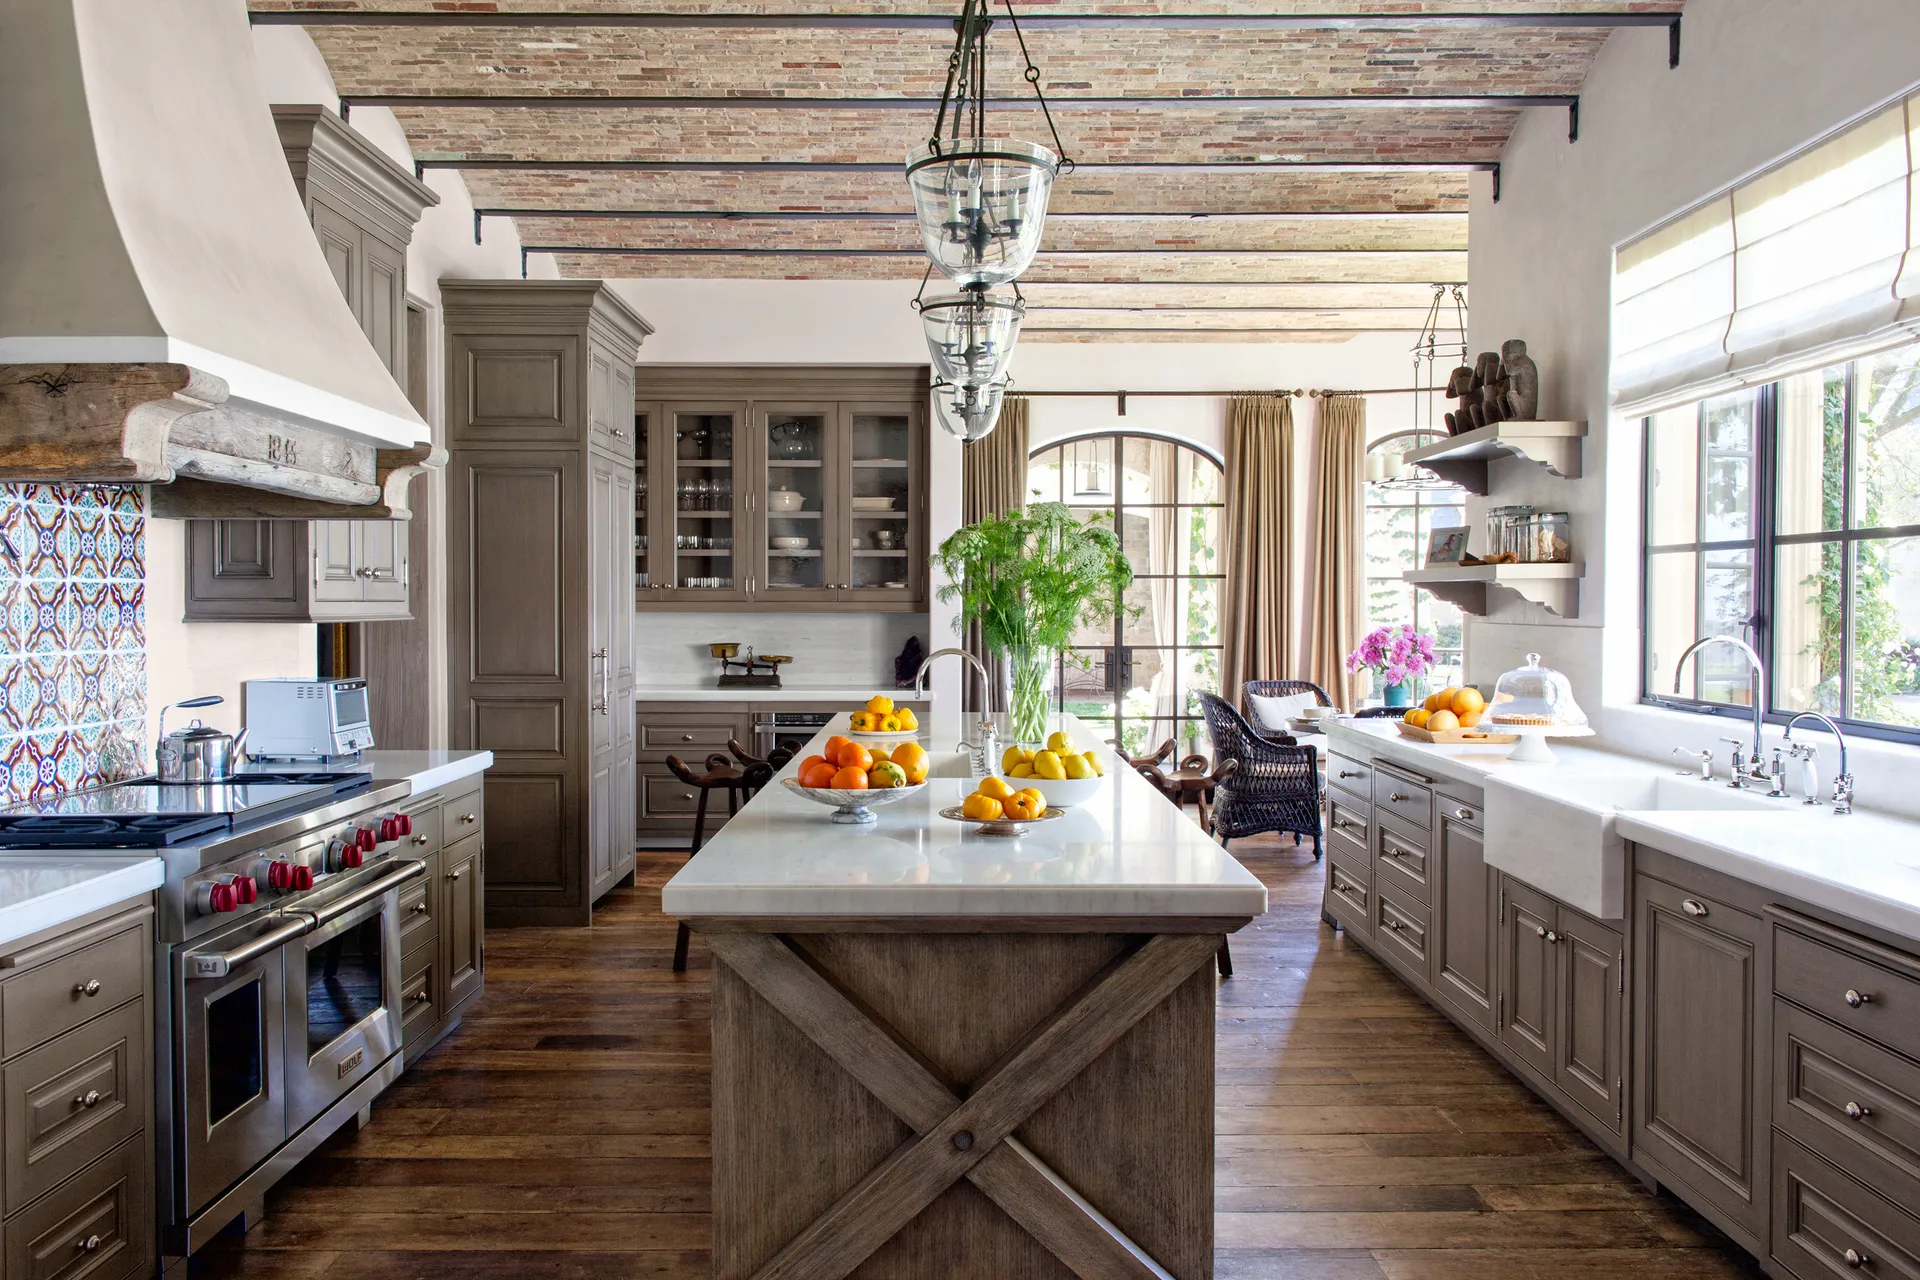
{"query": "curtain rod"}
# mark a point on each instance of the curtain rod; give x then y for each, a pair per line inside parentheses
(1282, 391)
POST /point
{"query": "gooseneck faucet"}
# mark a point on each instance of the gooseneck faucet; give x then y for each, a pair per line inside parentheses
(1843, 782)
(1745, 773)
(986, 752)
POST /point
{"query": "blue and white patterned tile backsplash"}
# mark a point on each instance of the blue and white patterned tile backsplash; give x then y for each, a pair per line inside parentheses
(73, 647)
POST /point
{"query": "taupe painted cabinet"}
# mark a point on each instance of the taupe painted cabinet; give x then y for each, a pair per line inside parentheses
(443, 936)
(76, 1058)
(539, 539)
(830, 461)
(364, 208)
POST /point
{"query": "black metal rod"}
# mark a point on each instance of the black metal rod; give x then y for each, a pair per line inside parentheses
(504, 164)
(1299, 332)
(944, 21)
(657, 251)
(1215, 395)
(1175, 308)
(603, 102)
(906, 215)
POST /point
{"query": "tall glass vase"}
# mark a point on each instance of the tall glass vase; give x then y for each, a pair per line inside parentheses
(1030, 675)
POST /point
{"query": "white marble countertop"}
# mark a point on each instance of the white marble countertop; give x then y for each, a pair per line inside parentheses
(854, 694)
(1127, 852)
(40, 891)
(1862, 865)
(425, 769)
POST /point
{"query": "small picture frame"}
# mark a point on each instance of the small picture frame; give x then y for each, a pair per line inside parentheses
(1446, 546)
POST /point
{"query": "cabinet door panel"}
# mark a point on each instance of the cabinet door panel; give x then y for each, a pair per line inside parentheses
(383, 563)
(1526, 993)
(1463, 915)
(704, 477)
(335, 560)
(246, 570)
(1696, 970)
(1587, 1058)
(883, 457)
(462, 932)
(383, 304)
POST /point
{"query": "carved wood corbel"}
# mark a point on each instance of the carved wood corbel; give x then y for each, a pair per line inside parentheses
(97, 423)
(188, 498)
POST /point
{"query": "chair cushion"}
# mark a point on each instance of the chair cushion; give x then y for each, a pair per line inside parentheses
(1272, 714)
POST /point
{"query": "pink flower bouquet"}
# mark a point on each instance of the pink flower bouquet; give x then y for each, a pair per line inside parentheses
(1397, 654)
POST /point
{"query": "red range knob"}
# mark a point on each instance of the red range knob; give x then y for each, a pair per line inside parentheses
(366, 839)
(246, 889)
(303, 878)
(280, 875)
(351, 858)
(224, 897)
(404, 824)
(389, 829)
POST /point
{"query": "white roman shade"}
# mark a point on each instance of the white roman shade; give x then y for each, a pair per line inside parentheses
(1811, 261)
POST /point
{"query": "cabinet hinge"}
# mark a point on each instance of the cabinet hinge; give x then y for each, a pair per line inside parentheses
(1500, 1012)
(1620, 973)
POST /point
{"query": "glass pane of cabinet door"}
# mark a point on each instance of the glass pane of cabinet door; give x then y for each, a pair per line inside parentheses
(647, 585)
(697, 482)
(797, 484)
(883, 453)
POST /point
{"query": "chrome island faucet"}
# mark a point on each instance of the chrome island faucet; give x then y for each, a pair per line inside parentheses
(1745, 773)
(986, 752)
(1842, 782)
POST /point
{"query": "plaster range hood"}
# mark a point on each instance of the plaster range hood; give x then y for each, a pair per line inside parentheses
(165, 311)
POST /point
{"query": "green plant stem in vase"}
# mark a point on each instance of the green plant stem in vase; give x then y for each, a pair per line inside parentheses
(1029, 580)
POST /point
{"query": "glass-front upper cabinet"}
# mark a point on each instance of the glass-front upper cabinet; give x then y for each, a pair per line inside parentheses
(696, 509)
(644, 578)
(880, 458)
(797, 494)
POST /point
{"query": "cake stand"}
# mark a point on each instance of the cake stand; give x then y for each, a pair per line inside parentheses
(1532, 747)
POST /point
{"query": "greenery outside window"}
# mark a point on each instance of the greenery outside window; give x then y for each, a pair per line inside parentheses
(1398, 521)
(1790, 515)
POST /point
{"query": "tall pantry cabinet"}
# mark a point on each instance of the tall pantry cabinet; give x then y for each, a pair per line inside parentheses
(540, 425)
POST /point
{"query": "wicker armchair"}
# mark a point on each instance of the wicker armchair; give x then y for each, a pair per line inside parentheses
(1252, 689)
(1275, 787)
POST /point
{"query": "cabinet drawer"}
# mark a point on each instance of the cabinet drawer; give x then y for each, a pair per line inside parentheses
(689, 737)
(1826, 1224)
(1347, 818)
(419, 994)
(1832, 975)
(98, 1226)
(1402, 797)
(63, 993)
(419, 925)
(461, 818)
(1349, 889)
(1847, 1099)
(1401, 862)
(1400, 927)
(427, 834)
(74, 1099)
(1450, 808)
(1350, 775)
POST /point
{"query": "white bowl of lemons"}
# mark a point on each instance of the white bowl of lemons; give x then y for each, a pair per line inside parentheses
(1066, 777)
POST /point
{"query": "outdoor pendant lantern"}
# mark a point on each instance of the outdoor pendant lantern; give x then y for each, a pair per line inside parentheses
(968, 413)
(971, 335)
(981, 202)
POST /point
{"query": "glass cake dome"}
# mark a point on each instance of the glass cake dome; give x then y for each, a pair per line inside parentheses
(1534, 696)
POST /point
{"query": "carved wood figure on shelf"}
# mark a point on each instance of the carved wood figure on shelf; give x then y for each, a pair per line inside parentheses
(1460, 391)
(1488, 382)
(1522, 381)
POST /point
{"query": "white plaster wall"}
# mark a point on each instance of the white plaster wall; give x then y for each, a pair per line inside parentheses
(1758, 79)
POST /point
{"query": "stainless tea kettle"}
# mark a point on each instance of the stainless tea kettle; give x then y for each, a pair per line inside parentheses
(197, 753)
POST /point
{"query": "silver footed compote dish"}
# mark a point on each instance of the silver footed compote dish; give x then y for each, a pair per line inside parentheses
(852, 807)
(1001, 826)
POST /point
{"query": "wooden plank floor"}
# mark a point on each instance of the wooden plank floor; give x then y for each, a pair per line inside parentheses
(562, 1131)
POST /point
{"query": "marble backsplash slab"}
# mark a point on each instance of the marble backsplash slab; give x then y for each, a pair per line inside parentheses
(73, 643)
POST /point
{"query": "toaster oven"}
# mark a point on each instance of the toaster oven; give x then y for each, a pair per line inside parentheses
(301, 718)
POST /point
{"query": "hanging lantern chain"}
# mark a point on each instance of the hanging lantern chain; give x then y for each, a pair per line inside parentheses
(1032, 77)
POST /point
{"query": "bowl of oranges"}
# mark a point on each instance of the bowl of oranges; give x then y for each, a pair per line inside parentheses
(1063, 776)
(881, 719)
(1000, 810)
(1451, 715)
(855, 778)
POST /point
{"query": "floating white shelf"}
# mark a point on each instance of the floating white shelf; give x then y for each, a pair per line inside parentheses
(1556, 587)
(1463, 459)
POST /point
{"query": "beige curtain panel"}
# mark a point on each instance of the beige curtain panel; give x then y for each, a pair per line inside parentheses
(1340, 568)
(1258, 618)
(993, 481)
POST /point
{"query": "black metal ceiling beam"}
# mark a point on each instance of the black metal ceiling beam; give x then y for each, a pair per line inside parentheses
(601, 102)
(518, 165)
(944, 21)
(906, 215)
(660, 251)
(1175, 308)
(1081, 328)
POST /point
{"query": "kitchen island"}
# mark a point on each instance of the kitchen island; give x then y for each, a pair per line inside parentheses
(941, 1053)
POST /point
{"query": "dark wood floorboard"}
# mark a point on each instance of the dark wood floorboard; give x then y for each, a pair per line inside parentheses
(561, 1133)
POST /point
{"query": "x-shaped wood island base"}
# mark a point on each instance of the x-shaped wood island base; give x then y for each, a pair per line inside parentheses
(954, 1135)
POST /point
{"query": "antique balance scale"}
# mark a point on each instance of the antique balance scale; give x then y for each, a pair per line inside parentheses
(750, 672)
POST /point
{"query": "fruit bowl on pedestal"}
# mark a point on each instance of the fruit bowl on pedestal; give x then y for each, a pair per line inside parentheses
(1061, 793)
(853, 807)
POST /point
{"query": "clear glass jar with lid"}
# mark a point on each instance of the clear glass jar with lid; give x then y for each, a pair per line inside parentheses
(1534, 696)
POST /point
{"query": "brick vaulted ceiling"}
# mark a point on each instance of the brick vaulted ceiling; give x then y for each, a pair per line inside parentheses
(1250, 170)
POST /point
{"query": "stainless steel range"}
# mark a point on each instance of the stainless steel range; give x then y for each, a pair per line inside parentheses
(278, 967)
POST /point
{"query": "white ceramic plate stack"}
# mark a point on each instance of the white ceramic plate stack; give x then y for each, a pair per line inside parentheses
(873, 504)
(787, 544)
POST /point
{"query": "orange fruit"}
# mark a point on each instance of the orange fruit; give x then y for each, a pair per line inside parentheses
(1468, 702)
(1470, 719)
(1442, 722)
(820, 775)
(854, 756)
(982, 808)
(912, 757)
(833, 746)
(850, 779)
(808, 764)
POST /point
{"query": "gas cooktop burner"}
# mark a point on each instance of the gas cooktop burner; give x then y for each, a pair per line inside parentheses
(105, 831)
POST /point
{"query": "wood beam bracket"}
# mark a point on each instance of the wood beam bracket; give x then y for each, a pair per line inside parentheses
(1673, 45)
(1496, 184)
(1573, 120)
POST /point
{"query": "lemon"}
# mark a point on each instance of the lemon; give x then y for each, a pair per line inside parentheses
(997, 788)
(881, 704)
(1021, 770)
(1093, 762)
(1013, 756)
(1059, 742)
(1076, 766)
(1046, 764)
(1418, 717)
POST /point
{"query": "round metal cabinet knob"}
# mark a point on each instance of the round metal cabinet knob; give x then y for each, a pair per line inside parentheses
(91, 987)
(1855, 999)
(89, 1100)
(1692, 908)
(90, 1244)
(1857, 1112)
(1856, 1259)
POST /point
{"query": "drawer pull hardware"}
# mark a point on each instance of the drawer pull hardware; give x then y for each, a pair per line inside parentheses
(90, 1245)
(417, 909)
(1693, 908)
(1855, 1259)
(421, 996)
(1466, 814)
(686, 737)
(1540, 930)
(468, 817)
(419, 839)
(88, 1100)
(91, 987)
(1552, 936)
(1857, 1112)
(1396, 797)
(1343, 823)
(1352, 773)
(455, 875)
(1855, 999)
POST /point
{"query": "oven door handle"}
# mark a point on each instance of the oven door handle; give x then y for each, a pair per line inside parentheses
(368, 892)
(220, 964)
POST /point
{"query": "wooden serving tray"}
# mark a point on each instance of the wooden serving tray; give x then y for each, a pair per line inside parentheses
(1456, 737)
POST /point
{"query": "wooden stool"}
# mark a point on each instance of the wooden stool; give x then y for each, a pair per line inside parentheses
(720, 773)
(759, 772)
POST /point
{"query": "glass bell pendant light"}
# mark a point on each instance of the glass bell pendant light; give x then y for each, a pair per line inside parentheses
(971, 335)
(968, 413)
(981, 205)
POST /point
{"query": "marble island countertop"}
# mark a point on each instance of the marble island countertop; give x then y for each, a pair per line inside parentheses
(854, 695)
(41, 891)
(1126, 852)
(1863, 865)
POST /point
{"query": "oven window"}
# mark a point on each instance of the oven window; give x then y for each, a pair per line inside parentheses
(350, 706)
(236, 1052)
(343, 984)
